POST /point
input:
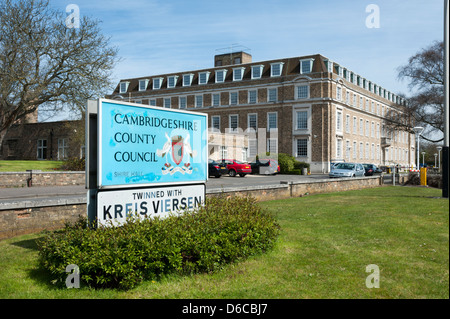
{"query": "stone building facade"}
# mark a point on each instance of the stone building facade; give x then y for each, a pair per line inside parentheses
(43, 141)
(309, 107)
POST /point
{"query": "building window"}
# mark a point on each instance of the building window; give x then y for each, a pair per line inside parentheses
(347, 149)
(152, 102)
(253, 121)
(302, 147)
(339, 93)
(252, 147)
(41, 149)
(216, 99)
(361, 102)
(272, 95)
(224, 152)
(172, 81)
(234, 122)
(361, 150)
(215, 123)
(306, 66)
(187, 79)
(302, 92)
(347, 123)
(361, 127)
(257, 71)
(372, 130)
(367, 128)
(238, 73)
(354, 150)
(182, 102)
(157, 82)
(338, 148)
(244, 154)
(272, 121)
(143, 85)
(272, 145)
(302, 120)
(233, 98)
(355, 125)
(167, 103)
(203, 78)
(339, 121)
(62, 148)
(252, 96)
(220, 76)
(276, 69)
(354, 100)
(199, 101)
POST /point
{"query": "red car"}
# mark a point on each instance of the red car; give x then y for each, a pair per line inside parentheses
(237, 167)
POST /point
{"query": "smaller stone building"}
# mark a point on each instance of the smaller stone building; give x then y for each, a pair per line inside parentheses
(44, 141)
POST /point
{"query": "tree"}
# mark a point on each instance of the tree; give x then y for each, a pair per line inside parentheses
(425, 72)
(47, 65)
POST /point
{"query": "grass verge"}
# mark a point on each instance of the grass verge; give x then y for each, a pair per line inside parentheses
(325, 244)
(22, 166)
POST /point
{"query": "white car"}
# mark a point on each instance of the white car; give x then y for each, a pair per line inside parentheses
(347, 170)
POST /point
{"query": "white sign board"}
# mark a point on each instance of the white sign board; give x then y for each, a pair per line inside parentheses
(113, 207)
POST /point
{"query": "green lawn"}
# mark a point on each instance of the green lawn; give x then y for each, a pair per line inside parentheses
(22, 166)
(325, 244)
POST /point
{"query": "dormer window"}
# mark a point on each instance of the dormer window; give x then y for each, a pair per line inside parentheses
(157, 82)
(306, 66)
(257, 71)
(329, 66)
(220, 76)
(238, 73)
(276, 69)
(172, 81)
(203, 77)
(143, 84)
(123, 87)
(187, 79)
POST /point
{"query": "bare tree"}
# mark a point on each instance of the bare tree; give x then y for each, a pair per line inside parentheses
(425, 72)
(46, 64)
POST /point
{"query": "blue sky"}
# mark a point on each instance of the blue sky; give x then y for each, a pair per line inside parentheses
(162, 36)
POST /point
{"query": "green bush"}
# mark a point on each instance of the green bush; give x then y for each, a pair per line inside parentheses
(286, 163)
(73, 164)
(222, 231)
(295, 172)
(301, 165)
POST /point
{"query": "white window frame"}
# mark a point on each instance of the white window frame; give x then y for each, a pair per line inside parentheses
(123, 87)
(233, 130)
(157, 85)
(206, 74)
(256, 121)
(297, 92)
(280, 64)
(339, 145)
(212, 99)
(236, 76)
(63, 148)
(297, 121)
(339, 121)
(143, 85)
(167, 102)
(268, 121)
(174, 78)
(224, 73)
(199, 100)
(254, 67)
(230, 97)
(297, 147)
(309, 68)
(250, 100)
(180, 104)
(215, 117)
(275, 142)
(268, 94)
(189, 77)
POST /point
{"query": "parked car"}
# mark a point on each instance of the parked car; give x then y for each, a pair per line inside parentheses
(216, 169)
(347, 170)
(371, 169)
(265, 166)
(236, 167)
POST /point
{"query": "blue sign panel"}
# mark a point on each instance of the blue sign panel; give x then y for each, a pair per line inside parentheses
(141, 145)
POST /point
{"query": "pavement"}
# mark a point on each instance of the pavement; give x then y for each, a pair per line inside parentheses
(31, 196)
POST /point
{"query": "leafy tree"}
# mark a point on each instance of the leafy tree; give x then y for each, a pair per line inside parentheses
(47, 65)
(425, 73)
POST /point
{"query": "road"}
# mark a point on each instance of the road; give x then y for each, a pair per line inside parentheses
(212, 183)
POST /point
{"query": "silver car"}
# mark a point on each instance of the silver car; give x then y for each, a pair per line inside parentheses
(347, 170)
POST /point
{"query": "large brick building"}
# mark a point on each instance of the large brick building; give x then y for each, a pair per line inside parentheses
(309, 107)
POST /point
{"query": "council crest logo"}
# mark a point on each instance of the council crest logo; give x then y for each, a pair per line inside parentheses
(178, 153)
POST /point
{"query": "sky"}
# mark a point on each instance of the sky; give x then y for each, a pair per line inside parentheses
(164, 36)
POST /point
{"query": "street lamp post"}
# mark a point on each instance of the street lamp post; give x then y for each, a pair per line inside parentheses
(439, 148)
(423, 159)
(418, 130)
(435, 158)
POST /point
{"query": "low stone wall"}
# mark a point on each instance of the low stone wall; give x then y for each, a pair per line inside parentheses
(39, 178)
(18, 217)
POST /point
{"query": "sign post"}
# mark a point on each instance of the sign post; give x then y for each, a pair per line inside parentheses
(137, 150)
